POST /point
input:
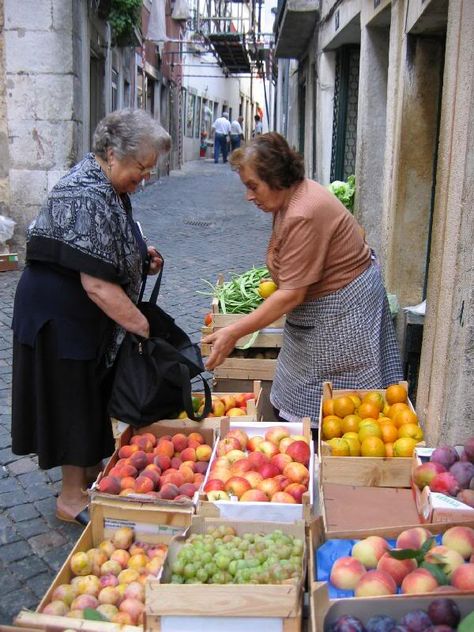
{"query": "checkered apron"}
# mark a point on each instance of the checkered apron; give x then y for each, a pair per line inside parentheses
(346, 338)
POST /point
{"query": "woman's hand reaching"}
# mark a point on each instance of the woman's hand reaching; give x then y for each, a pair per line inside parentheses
(156, 260)
(223, 342)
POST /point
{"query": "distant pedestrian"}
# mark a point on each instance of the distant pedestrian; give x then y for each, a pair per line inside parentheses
(258, 129)
(221, 127)
(85, 257)
(236, 133)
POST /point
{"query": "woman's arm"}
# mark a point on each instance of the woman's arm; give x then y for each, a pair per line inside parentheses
(113, 301)
(277, 304)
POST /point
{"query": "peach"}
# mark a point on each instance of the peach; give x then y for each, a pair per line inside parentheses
(412, 538)
(280, 460)
(56, 607)
(87, 585)
(296, 490)
(254, 442)
(172, 476)
(121, 556)
(180, 441)
(122, 618)
(84, 601)
(200, 467)
(419, 581)
(236, 486)
(236, 412)
(128, 482)
(187, 473)
(139, 459)
(370, 550)
(269, 486)
(137, 561)
(164, 448)
(254, 495)
(460, 539)
(176, 462)
(150, 436)
(169, 491)
(109, 485)
(64, 592)
(228, 401)
(276, 434)
(423, 474)
(153, 566)
(375, 583)
(189, 454)
(125, 577)
(135, 590)
(81, 564)
(111, 566)
(268, 448)
(97, 558)
(196, 436)
(123, 537)
(283, 497)
(108, 580)
(346, 573)
(134, 608)
(463, 577)
(297, 473)
(447, 559)
(126, 451)
(152, 475)
(398, 569)
(109, 594)
(203, 452)
(107, 546)
(74, 614)
(187, 489)
(142, 442)
(108, 610)
(144, 484)
(299, 452)
(162, 461)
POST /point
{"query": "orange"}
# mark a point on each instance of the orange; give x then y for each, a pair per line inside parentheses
(386, 408)
(370, 431)
(354, 444)
(410, 430)
(339, 447)
(328, 407)
(350, 435)
(404, 446)
(368, 422)
(368, 409)
(372, 446)
(406, 416)
(373, 397)
(382, 421)
(389, 449)
(394, 408)
(332, 427)
(350, 423)
(396, 393)
(355, 398)
(389, 433)
(343, 406)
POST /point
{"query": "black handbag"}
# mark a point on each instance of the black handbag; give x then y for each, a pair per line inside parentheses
(153, 375)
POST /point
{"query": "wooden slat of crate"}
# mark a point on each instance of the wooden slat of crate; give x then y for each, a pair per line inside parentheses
(246, 369)
(262, 341)
(364, 471)
(292, 624)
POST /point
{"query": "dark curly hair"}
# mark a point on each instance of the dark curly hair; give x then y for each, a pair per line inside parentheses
(272, 159)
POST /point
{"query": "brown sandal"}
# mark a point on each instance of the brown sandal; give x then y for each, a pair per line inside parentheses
(82, 518)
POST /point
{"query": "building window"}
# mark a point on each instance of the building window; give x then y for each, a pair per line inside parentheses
(190, 115)
(126, 94)
(114, 80)
(197, 119)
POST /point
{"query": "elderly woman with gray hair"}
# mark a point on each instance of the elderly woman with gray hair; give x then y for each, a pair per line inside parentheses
(75, 300)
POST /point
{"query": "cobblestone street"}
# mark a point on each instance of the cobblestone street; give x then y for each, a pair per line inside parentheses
(200, 221)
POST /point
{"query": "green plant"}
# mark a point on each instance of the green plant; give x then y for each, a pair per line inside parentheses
(344, 191)
(124, 17)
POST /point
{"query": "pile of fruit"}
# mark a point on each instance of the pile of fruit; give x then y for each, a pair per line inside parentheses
(415, 565)
(266, 468)
(170, 468)
(442, 615)
(229, 404)
(371, 424)
(449, 472)
(222, 557)
(108, 581)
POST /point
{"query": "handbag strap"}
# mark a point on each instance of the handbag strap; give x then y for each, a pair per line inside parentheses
(156, 287)
(187, 395)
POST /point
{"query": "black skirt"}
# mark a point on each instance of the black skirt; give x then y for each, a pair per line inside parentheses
(59, 406)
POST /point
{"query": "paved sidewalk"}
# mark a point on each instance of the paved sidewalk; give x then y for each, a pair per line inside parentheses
(199, 220)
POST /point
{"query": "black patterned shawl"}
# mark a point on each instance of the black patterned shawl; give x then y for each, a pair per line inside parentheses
(86, 227)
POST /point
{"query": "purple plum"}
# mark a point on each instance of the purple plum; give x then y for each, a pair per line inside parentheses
(399, 628)
(466, 496)
(444, 610)
(446, 455)
(416, 621)
(346, 623)
(380, 623)
(469, 449)
(440, 628)
(462, 472)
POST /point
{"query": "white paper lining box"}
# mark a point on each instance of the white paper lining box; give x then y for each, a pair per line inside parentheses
(149, 526)
(436, 507)
(319, 600)
(263, 511)
(219, 607)
(361, 470)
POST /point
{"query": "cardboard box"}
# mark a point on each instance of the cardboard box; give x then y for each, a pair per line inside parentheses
(159, 429)
(435, 507)
(359, 470)
(323, 619)
(263, 511)
(8, 261)
(254, 413)
(149, 526)
(319, 600)
(225, 606)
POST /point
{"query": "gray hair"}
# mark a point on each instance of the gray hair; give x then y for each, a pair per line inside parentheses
(225, 115)
(129, 133)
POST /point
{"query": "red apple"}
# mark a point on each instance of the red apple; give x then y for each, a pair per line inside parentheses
(213, 484)
(254, 495)
(253, 478)
(226, 445)
(269, 470)
(283, 497)
(254, 442)
(236, 485)
(296, 490)
(268, 448)
(240, 435)
(241, 466)
(297, 473)
(299, 452)
(257, 459)
(280, 460)
(217, 494)
(276, 434)
(269, 486)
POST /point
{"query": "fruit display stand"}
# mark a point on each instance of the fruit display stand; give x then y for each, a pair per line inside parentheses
(435, 507)
(217, 607)
(262, 511)
(158, 429)
(323, 619)
(319, 601)
(361, 470)
(148, 524)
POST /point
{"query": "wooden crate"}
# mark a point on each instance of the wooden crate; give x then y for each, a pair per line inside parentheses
(319, 600)
(278, 512)
(219, 607)
(359, 470)
(149, 525)
(246, 369)
(159, 429)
